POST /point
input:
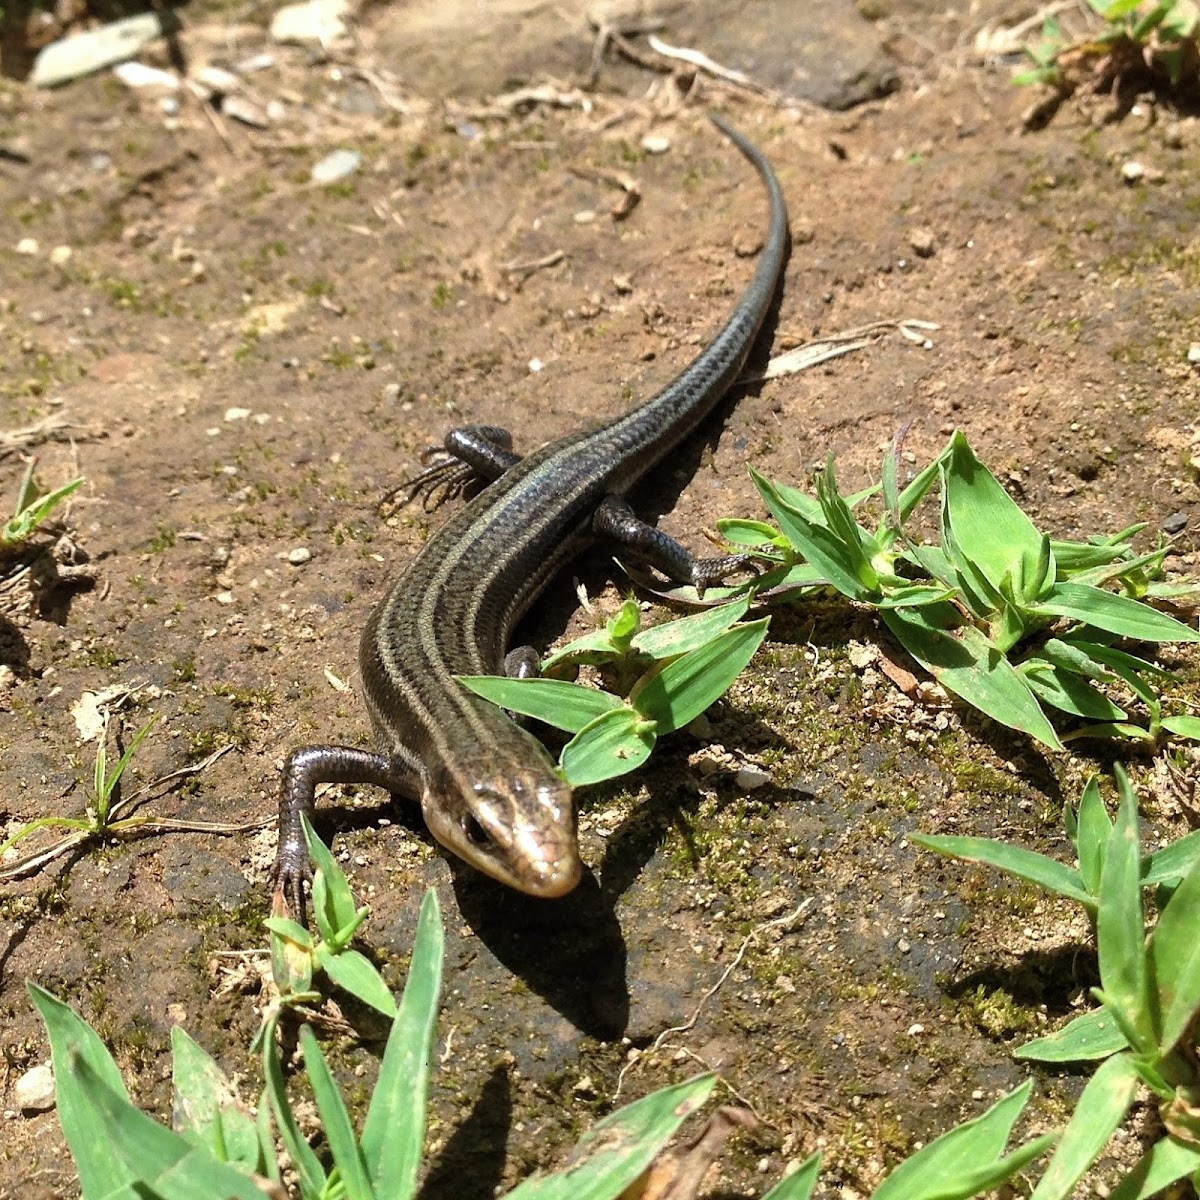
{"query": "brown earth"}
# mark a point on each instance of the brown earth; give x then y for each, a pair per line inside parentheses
(352, 324)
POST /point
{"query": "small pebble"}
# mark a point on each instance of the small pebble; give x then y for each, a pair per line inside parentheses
(27, 246)
(751, 778)
(299, 556)
(535, 365)
(656, 143)
(903, 946)
(913, 1030)
(60, 255)
(1193, 354)
(623, 284)
(1132, 172)
(923, 242)
(584, 217)
(336, 166)
(1175, 523)
(34, 1091)
(236, 414)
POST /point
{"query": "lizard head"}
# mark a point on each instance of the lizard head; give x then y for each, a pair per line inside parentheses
(513, 821)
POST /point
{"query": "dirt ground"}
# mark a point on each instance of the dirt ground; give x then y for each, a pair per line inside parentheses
(240, 362)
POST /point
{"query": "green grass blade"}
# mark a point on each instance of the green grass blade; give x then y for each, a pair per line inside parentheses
(1121, 924)
(1015, 860)
(564, 705)
(964, 662)
(335, 1120)
(800, 1183)
(1163, 1164)
(620, 1147)
(683, 689)
(312, 1178)
(1092, 837)
(1093, 1035)
(393, 1136)
(1101, 1108)
(73, 1042)
(739, 532)
(1174, 951)
(109, 782)
(971, 1147)
(613, 744)
(1113, 613)
(333, 902)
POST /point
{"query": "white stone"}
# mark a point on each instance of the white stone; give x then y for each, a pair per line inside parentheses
(138, 75)
(751, 778)
(93, 50)
(656, 143)
(299, 556)
(34, 1091)
(315, 21)
(336, 166)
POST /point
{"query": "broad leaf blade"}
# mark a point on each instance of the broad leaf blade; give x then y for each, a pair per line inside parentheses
(73, 1042)
(970, 1147)
(1093, 1035)
(613, 744)
(564, 705)
(673, 638)
(683, 689)
(1115, 614)
(1174, 952)
(621, 1146)
(1004, 545)
(964, 662)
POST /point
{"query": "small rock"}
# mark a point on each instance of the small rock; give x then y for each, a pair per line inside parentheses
(335, 166)
(584, 217)
(60, 255)
(1175, 523)
(1173, 135)
(700, 727)
(1193, 354)
(923, 242)
(246, 111)
(217, 80)
(139, 75)
(903, 945)
(299, 556)
(750, 778)
(317, 22)
(237, 414)
(1132, 172)
(622, 284)
(535, 365)
(84, 53)
(27, 246)
(34, 1091)
(914, 1030)
(656, 143)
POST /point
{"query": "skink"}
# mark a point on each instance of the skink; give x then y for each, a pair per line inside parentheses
(488, 789)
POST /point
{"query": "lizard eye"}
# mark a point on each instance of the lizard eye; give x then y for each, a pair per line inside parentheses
(475, 831)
